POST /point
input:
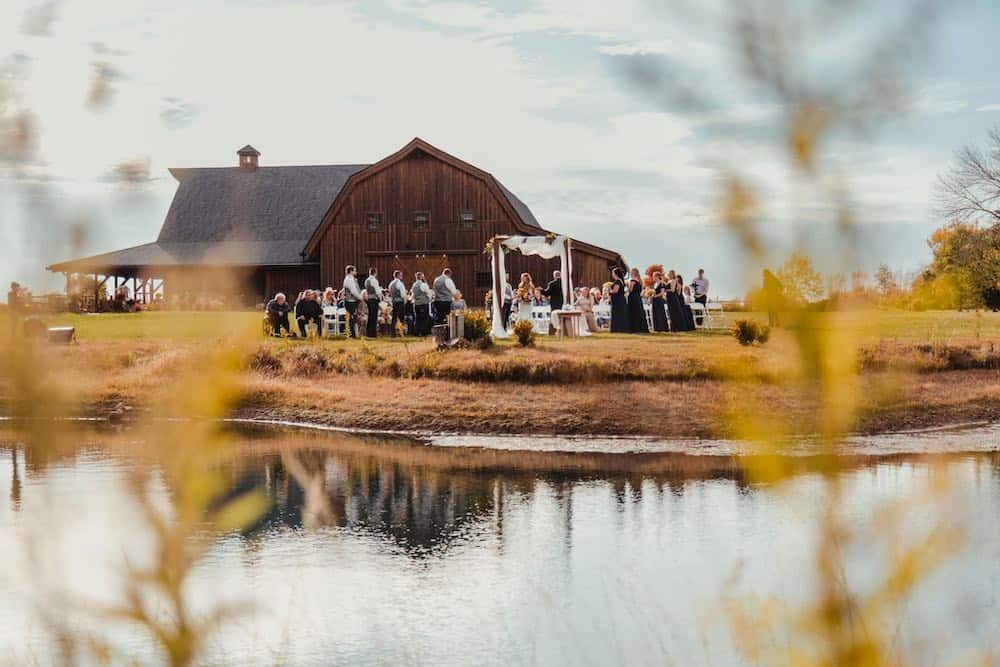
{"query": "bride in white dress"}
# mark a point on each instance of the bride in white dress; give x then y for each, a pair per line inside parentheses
(524, 294)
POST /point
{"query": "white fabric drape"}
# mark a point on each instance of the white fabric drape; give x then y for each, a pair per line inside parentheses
(540, 246)
(499, 272)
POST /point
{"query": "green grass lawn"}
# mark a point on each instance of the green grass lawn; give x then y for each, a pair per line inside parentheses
(887, 324)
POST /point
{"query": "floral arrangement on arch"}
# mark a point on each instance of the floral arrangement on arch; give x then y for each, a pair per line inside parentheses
(489, 298)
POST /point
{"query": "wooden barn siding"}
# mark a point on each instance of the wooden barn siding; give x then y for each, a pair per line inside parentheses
(423, 183)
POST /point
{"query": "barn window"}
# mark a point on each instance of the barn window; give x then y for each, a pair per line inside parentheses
(421, 220)
(484, 280)
(373, 221)
(468, 219)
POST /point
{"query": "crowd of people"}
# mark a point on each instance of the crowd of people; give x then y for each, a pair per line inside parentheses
(394, 309)
(398, 309)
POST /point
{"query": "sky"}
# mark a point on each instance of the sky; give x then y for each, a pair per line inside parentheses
(541, 93)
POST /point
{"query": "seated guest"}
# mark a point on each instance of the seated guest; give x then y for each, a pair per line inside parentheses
(308, 311)
(539, 299)
(277, 314)
(458, 303)
(585, 304)
(329, 298)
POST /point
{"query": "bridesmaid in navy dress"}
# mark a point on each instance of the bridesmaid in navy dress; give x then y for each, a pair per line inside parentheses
(636, 311)
(685, 308)
(619, 309)
(659, 304)
(677, 322)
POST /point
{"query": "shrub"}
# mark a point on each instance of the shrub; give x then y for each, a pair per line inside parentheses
(264, 361)
(525, 332)
(477, 327)
(306, 361)
(748, 332)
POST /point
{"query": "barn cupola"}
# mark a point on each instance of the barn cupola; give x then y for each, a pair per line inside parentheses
(248, 158)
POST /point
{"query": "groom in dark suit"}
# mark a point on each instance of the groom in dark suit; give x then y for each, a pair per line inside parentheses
(554, 291)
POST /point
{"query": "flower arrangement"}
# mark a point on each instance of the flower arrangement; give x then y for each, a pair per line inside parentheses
(648, 292)
(525, 332)
(489, 298)
(525, 293)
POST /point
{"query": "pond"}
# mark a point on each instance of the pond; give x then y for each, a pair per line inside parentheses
(383, 550)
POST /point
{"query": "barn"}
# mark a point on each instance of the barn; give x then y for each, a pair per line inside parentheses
(243, 233)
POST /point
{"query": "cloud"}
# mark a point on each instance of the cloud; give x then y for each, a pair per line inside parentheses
(989, 107)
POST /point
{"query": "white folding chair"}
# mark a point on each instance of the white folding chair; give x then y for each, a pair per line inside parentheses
(541, 316)
(602, 313)
(332, 320)
(648, 308)
(699, 313)
(716, 315)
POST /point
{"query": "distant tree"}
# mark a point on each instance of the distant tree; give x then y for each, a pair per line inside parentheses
(970, 189)
(968, 257)
(802, 282)
(885, 281)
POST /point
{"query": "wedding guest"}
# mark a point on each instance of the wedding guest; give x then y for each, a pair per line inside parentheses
(585, 303)
(675, 309)
(554, 291)
(636, 310)
(397, 295)
(659, 303)
(444, 292)
(329, 298)
(619, 305)
(508, 301)
(352, 297)
(539, 299)
(597, 295)
(373, 295)
(420, 294)
(278, 309)
(700, 286)
(684, 295)
(308, 311)
(458, 303)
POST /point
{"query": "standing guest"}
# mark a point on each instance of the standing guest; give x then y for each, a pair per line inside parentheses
(636, 310)
(659, 303)
(554, 291)
(619, 305)
(278, 309)
(674, 306)
(397, 294)
(420, 293)
(352, 297)
(684, 297)
(508, 301)
(458, 303)
(700, 286)
(373, 295)
(444, 292)
(585, 304)
(308, 311)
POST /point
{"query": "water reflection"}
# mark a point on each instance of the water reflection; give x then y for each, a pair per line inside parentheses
(377, 549)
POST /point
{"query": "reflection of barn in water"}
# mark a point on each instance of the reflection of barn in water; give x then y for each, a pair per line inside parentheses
(425, 505)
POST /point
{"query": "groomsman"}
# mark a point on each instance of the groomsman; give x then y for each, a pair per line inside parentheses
(444, 294)
(352, 297)
(700, 287)
(397, 294)
(420, 293)
(373, 296)
(508, 300)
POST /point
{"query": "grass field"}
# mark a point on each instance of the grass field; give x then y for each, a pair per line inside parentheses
(873, 324)
(916, 369)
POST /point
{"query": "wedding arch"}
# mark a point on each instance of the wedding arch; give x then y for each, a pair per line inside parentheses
(546, 247)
